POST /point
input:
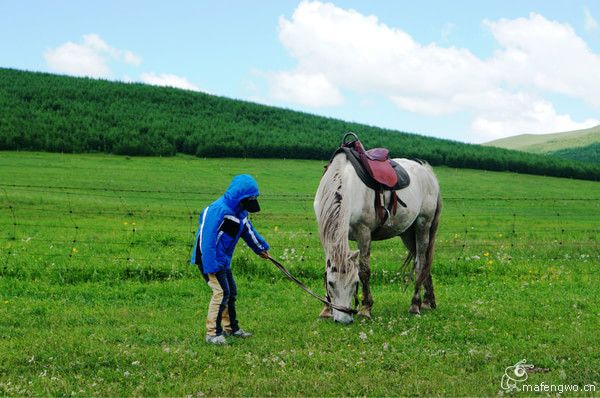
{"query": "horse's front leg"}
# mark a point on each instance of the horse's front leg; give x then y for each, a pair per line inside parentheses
(364, 273)
(326, 311)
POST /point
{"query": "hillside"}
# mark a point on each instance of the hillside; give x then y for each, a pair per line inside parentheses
(578, 145)
(588, 154)
(547, 143)
(46, 112)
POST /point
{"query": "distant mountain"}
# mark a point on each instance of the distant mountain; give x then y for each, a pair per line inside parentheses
(546, 143)
(581, 145)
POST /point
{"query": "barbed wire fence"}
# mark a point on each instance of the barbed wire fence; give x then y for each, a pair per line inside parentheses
(142, 213)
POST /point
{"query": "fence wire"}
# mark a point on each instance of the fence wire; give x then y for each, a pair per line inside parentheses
(127, 228)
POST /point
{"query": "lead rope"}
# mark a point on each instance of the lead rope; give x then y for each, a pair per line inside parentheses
(307, 290)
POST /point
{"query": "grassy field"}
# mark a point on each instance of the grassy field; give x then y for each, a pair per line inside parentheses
(97, 297)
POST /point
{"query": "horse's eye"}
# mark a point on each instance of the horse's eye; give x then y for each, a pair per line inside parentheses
(330, 284)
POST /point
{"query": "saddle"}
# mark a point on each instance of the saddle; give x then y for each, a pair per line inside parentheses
(378, 172)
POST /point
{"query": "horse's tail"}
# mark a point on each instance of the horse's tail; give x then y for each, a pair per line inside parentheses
(410, 242)
(432, 233)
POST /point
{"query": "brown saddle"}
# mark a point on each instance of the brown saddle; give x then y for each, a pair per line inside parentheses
(375, 168)
(377, 164)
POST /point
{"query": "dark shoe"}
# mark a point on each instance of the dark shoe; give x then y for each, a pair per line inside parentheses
(239, 333)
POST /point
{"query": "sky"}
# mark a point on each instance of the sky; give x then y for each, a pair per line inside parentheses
(471, 71)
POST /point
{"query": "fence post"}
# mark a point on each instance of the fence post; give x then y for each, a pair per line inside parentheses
(74, 240)
(14, 226)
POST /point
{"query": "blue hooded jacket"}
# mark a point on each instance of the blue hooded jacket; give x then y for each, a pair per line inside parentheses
(222, 224)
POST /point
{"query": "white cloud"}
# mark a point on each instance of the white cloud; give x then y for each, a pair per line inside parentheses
(305, 89)
(169, 80)
(545, 55)
(589, 22)
(89, 58)
(92, 56)
(131, 58)
(338, 49)
(75, 59)
(100, 46)
(524, 115)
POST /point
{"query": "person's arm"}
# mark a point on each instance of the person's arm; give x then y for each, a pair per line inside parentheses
(208, 239)
(254, 240)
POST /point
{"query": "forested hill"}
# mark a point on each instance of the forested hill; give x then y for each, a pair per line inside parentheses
(45, 112)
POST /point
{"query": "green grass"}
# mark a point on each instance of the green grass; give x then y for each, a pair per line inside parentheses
(546, 143)
(120, 312)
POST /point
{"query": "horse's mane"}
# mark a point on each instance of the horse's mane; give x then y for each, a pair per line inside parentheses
(333, 216)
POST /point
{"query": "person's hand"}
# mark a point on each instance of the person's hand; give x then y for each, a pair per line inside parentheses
(264, 254)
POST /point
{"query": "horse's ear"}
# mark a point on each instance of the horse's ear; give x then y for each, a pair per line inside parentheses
(354, 256)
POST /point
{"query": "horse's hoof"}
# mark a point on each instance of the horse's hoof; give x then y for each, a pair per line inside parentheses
(326, 313)
(426, 306)
(414, 309)
(365, 313)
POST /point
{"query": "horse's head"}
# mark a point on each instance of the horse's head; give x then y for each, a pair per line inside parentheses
(342, 285)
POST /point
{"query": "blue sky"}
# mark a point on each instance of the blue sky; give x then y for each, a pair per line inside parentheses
(465, 70)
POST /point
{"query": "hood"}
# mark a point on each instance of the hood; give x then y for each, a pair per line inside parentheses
(241, 187)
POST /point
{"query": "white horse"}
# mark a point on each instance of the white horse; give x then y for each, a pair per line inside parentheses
(344, 207)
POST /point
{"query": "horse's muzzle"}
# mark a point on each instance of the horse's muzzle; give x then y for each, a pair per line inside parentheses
(342, 318)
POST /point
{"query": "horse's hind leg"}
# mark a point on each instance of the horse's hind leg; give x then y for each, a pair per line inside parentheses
(422, 227)
(409, 239)
(426, 232)
(428, 296)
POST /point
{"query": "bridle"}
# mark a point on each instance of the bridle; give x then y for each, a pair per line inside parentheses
(329, 298)
(325, 300)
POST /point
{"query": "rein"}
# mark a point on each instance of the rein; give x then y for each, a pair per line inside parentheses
(307, 290)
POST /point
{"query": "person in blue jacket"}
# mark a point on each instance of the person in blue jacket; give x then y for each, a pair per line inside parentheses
(222, 223)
